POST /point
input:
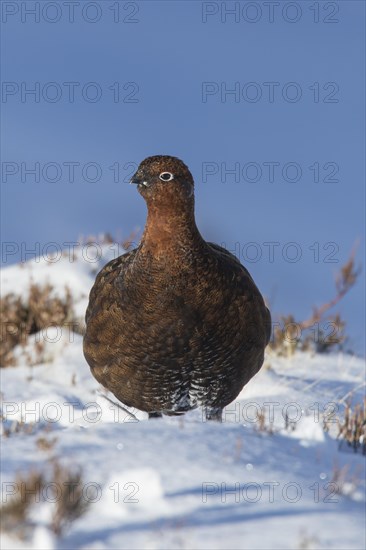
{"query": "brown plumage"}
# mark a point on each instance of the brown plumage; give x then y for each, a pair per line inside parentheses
(177, 322)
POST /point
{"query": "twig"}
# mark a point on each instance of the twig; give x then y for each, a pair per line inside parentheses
(118, 405)
(348, 394)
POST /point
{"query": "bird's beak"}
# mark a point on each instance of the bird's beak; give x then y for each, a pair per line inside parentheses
(135, 179)
(138, 180)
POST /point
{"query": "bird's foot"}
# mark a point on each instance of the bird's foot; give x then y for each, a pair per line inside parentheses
(155, 415)
(213, 413)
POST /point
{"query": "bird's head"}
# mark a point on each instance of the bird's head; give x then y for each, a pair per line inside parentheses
(164, 180)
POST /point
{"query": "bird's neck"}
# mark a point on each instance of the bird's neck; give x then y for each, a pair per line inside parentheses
(170, 229)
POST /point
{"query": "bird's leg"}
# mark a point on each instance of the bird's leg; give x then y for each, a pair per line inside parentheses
(155, 415)
(213, 413)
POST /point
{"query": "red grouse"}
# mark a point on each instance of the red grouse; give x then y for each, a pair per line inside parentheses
(178, 322)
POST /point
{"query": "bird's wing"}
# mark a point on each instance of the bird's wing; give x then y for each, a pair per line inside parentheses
(228, 255)
(106, 277)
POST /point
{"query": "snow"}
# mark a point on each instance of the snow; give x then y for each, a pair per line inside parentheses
(181, 482)
(75, 268)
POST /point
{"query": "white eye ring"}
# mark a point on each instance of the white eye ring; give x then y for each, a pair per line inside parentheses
(166, 176)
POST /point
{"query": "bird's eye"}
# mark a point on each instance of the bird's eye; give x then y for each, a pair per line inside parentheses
(166, 176)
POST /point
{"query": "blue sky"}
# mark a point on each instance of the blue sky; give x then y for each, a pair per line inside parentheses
(292, 128)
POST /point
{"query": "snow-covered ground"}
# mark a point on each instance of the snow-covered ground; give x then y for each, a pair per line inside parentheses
(182, 483)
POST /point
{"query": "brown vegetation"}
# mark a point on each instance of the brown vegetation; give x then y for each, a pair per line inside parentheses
(63, 489)
(319, 332)
(19, 319)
